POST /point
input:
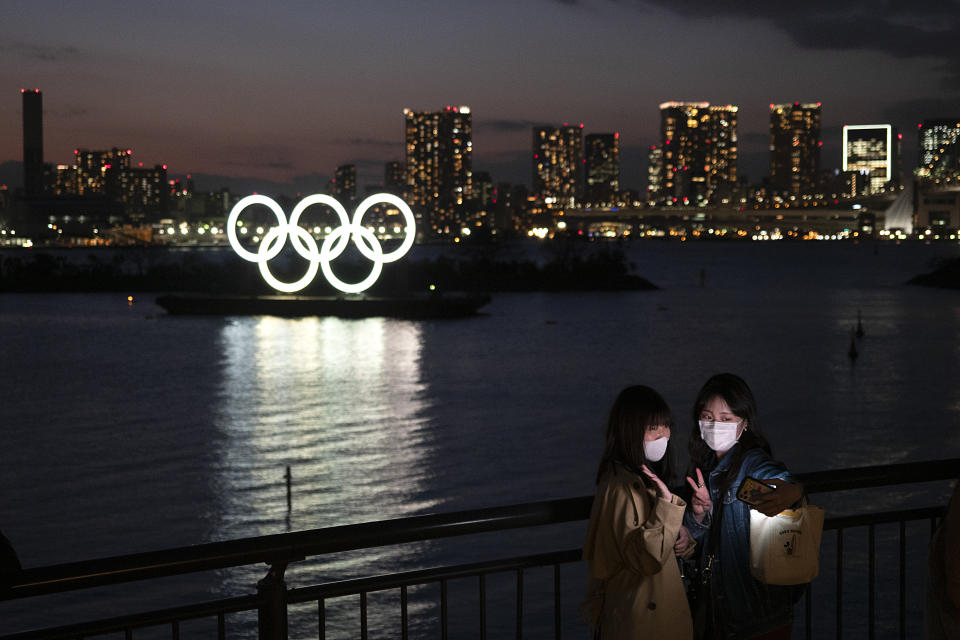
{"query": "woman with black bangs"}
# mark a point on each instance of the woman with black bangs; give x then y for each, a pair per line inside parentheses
(634, 588)
(727, 446)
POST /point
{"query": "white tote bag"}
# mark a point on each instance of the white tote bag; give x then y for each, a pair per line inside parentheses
(785, 548)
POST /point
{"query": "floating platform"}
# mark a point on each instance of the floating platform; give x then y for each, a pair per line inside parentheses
(447, 305)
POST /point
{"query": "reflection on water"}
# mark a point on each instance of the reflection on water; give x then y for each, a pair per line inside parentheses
(342, 402)
(127, 430)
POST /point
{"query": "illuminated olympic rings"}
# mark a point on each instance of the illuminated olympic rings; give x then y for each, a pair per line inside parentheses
(333, 245)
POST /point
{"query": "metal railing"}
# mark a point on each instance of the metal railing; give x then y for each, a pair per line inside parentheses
(273, 599)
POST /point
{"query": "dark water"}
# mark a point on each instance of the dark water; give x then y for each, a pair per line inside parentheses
(126, 430)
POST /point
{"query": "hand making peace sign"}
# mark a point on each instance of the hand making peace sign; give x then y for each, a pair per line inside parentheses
(700, 502)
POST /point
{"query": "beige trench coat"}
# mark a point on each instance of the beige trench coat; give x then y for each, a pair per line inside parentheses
(634, 588)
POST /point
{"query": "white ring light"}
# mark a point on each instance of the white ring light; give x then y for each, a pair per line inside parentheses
(407, 216)
(377, 257)
(273, 237)
(232, 225)
(333, 245)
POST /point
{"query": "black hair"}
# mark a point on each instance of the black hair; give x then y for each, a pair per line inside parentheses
(738, 396)
(636, 408)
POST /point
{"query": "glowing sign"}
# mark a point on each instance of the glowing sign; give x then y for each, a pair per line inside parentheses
(330, 249)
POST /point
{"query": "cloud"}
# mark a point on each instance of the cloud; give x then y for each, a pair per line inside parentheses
(370, 142)
(506, 126)
(906, 111)
(240, 185)
(68, 111)
(45, 53)
(903, 29)
(364, 164)
(310, 183)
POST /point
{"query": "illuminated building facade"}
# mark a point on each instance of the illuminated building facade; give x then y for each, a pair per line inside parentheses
(558, 166)
(509, 206)
(439, 171)
(344, 187)
(939, 148)
(144, 190)
(795, 148)
(602, 169)
(109, 174)
(393, 178)
(100, 172)
(483, 189)
(938, 210)
(873, 148)
(33, 172)
(699, 142)
(655, 174)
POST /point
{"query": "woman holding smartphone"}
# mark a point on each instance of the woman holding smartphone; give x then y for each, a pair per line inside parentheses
(634, 588)
(726, 447)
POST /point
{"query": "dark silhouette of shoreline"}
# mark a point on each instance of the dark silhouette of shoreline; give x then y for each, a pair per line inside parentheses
(945, 275)
(159, 270)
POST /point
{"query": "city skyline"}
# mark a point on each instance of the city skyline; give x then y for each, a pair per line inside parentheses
(204, 93)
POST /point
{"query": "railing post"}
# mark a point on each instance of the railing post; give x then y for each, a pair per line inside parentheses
(272, 614)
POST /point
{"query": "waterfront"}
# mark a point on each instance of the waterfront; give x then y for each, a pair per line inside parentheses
(127, 430)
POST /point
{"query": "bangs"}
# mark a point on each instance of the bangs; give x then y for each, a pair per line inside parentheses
(660, 415)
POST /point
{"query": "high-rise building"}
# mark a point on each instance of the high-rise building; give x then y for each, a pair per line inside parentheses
(344, 186)
(699, 142)
(509, 204)
(874, 148)
(602, 168)
(795, 147)
(939, 144)
(393, 179)
(439, 171)
(483, 189)
(144, 190)
(558, 166)
(100, 172)
(33, 181)
(655, 174)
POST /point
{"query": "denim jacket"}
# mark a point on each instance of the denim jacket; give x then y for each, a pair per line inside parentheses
(747, 607)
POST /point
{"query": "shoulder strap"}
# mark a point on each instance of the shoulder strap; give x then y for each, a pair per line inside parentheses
(715, 519)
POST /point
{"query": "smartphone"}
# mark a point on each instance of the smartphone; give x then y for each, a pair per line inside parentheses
(751, 488)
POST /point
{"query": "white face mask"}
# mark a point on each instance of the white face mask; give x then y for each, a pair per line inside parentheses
(719, 436)
(654, 449)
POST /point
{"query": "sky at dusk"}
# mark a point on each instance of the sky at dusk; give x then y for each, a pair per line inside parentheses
(286, 91)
